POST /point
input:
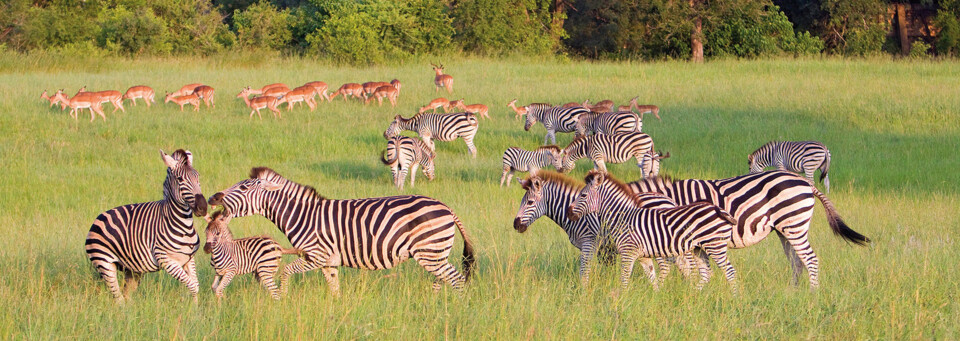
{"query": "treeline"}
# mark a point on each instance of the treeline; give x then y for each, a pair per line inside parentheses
(376, 31)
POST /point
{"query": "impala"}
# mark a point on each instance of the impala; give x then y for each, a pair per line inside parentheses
(520, 111)
(108, 96)
(301, 94)
(434, 104)
(396, 84)
(629, 107)
(370, 87)
(388, 91)
(206, 94)
(140, 91)
(186, 89)
(602, 106)
(321, 88)
(261, 102)
(478, 109)
(572, 105)
(192, 98)
(651, 109)
(80, 101)
(53, 100)
(442, 80)
(349, 89)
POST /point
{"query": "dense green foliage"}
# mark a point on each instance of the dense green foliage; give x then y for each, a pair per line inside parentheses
(508, 26)
(891, 127)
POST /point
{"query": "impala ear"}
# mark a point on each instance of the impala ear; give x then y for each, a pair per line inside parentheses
(168, 160)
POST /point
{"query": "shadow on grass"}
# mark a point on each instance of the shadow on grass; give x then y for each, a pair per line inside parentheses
(351, 169)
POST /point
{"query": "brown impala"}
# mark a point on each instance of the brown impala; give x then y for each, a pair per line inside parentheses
(370, 87)
(53, 100)
(192, 98)
(261, 102)
(206, 94)
(478, 109)
(186, 89)
(434, 104)
(519, 111)
(108, 96)
(442, 80)
(349, 89)
(83, 100)
(321, 89)
(629, 107)
(301, 94)
(388, 91)
(140, 91)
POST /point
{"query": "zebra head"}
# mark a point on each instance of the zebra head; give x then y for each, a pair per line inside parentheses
(588, 200)
(531, 119)
(394, 128)
(249, 196)
(754, 163)
(573, 152)
(218, 230)
(182, 185)
(532, 206)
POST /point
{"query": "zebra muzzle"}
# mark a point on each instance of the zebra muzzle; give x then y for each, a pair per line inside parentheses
(207, 248)
(200, 205)
(519, 225)
(573, 216)
(216, 199)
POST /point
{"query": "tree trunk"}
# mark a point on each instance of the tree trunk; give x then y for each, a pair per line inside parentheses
(696, 44)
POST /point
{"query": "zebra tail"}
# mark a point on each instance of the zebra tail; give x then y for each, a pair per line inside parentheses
(383, 158)
(837, 224)
(469, 259)
(726, 216)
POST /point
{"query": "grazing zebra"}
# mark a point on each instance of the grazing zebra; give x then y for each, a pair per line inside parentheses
(554, 119)
(403, 155)
(762, 202)
(602, 148)
(608, 123)
(550, 194)
(443, 127)
(803, 156)
(146, 237)
(652, 168)
(231, 257)
(519, 160)
(373, 233)
(647, 233)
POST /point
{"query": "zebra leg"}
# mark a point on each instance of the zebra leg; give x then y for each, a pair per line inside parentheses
(413, 174)
(647, 265)
(503, 177)
(795, 263)
(299, 265)
(330, 274)
(108, 271)
(131, 281)
(801, 245)
(265, 273)
(627, 258)
(216, 282)
(227, 278)
(663, 269)
(470, 146)
(599, 164)
(403, 177)
(718, 252)
(587, 251)
(441, 268)
(177, 267)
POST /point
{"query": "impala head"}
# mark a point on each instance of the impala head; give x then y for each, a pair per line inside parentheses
(244, 92)
(396, 84)
(44, 95)
(586, 104)
(588, 200)
(182, 185)
(437, 68)
(168, 97)
(218, 230)
(532, 206)
(633, 102)
(249, 196)
(458, 104)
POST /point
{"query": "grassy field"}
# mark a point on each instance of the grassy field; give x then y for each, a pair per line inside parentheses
(892, 127)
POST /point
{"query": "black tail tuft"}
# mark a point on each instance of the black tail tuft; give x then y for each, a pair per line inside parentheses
(837, 224)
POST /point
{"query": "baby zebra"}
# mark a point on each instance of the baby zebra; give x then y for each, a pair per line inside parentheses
(649, 233)
(229, 257)
(404, 154)
(516, 159)
(798, 157)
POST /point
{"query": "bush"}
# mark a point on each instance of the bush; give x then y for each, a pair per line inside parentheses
(498, 27)
(261, 25)
(855, 27)
(948, 39)
(60, 24)
(132, 33)
(919, 49)
(194, 27)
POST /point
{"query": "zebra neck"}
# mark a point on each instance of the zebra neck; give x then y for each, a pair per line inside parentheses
(410, 124)
(181, 213)
(558, 198)
(289, 206)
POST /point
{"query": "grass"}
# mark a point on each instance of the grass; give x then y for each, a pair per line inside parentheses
(892, 128)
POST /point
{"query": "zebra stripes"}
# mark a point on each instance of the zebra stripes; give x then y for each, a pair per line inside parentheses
(404, 154)
(146, 237)
(602, 148)
(516, 159)
(373, 233)
(760, 203)
(609, 123)
(230, 257)
(554, 119)
(443, 127)
(550, 194)
(647, 233)
(799, 157)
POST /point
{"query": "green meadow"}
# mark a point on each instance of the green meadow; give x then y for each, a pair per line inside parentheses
(892, 127)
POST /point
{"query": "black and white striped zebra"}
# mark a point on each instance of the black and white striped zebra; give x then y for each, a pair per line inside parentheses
(146, 237)
(404, 154)
(373, 233)
(443, 127)
(763, 202)
(233, 257)
(550, 194)
(647, 233)
(602, 148)
(609, 123)
(519, 160)
(799, 157)
(554, 119)
(652, 168)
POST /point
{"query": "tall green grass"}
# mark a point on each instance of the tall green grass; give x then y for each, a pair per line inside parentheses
(892, 128)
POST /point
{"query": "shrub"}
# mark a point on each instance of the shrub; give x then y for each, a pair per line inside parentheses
(261, 25)
(919, 49)
(948, 39)
(855, 27)
(132, 32)
(497, 27)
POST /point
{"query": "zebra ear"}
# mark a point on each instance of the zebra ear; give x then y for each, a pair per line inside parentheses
(168, 160)
(524, 183)
(189, 158)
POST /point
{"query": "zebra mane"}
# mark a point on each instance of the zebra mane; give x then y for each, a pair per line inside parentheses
(216, 215)
(551, 147)
(622, 187)
(270, 174)
(576, 140)
(553, 177)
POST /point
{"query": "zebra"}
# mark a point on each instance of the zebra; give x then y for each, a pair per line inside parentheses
(802, 156)
(405, 154)
(664, 232)
(608, 123)
(146, 237)
(516, 159)
(652, 168)
(554, 119)
(443, 127)
(231, 257)
(602, 148)
(372, 233)
(550, 194)
(762, 202)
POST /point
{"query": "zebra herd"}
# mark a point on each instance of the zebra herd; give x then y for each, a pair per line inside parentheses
(655, 219)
